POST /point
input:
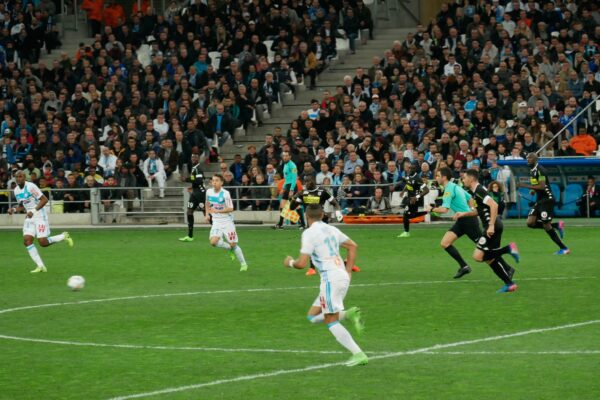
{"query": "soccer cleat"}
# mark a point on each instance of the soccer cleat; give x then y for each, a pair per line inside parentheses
(562, 252)
(39, 269)
(508, 288)
(311, 272)
(404, 235)
(514, 252)
(68, 239)
(511, 273)
(462, 272)
(356, 268)
(561, 229)
(244, 268)
(186, 239)
(301, 227)
(353, 315)
(358, 359)
(277, 226)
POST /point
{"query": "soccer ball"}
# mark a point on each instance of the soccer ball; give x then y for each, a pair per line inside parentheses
(76, 282)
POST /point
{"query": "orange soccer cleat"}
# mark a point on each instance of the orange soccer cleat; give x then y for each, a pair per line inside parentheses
(355, 269)
(311, 271)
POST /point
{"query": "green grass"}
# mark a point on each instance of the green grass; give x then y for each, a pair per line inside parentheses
(399, 317)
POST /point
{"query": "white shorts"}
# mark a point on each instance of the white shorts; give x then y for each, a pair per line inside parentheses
(331, 296)
(36, 227)
(225, 229)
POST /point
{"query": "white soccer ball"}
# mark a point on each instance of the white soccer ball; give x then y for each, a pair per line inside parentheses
(76, 282)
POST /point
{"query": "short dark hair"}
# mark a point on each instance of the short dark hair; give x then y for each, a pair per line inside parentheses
(220, 177)
(314, 212)
(473, 173)
(447, 172)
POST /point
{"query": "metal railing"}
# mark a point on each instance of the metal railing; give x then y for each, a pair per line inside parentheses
(571, 122)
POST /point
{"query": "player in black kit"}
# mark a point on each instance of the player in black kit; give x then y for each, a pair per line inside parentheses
(413, 192)
(540, 216)
(197, 196)
(488, 245)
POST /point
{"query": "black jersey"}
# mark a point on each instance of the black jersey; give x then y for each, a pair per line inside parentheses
(413, 185)
(537, 175)
(307, 197)
(483, 210)
(197, 178)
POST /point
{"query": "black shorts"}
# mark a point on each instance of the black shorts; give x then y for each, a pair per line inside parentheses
(543, 210)
(197, 200)
(467, 226)
(411, 209)
(486, 243)
(286, 191)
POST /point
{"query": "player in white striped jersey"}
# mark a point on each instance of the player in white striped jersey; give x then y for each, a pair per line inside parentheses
(31, 199)
(222, 234)
(321, 243)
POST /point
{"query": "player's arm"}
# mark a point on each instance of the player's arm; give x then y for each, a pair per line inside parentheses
(541, 185)
(333, 201)
(351, 250)
(42, 201)
(299, 263)
(208, 210)
(471, 213)
(424, 191)
(493, 214)
(17, 209)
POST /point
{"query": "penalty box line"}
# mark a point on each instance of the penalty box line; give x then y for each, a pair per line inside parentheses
(423, 350)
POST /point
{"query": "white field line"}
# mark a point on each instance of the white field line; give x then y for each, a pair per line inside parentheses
(543, 353)
(422, 350)
(144, 347)
(258, 290)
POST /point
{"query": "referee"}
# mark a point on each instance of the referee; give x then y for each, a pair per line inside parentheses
(290, 176)
(456, 199)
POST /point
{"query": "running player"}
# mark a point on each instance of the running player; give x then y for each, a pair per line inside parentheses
(31, 199)
(321, 243)
(540, 216)
(222, 234)
(413, 193)
(456, 199)
(197, 196)
(312, 194)
(290, 175)
(488, 246)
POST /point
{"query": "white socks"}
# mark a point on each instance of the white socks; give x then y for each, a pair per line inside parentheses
(237, 250)
(56, 238)
(317, 319)
(35, 256)
(343, 337)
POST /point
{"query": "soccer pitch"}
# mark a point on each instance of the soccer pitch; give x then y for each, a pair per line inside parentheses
(169, 320)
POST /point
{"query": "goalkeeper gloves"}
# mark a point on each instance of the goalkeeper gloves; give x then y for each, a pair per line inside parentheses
(339, 216)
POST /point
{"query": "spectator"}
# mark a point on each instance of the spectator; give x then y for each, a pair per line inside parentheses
(590, 201)
(154, 171)
(260, 194)
(583, 143)
(378, 203)
(109, 196)
(72, 195)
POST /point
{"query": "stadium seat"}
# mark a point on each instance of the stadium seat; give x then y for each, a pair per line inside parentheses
(396, 199)
(270, 53)
(557, 196)
(573, 192)
(215, 57)
(521, 209)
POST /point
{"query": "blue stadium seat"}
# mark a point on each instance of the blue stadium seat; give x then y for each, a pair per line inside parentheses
(523, 200)
(573, 192)
(555, 189)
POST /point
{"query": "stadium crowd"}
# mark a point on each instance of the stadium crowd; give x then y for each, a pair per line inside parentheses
(483, 81)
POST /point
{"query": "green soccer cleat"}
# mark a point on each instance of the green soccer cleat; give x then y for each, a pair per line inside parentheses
(68, 239)
(404, 235)
(244, 268)
(354, 316)
(39, 269)
(358, 359)
(186, 239)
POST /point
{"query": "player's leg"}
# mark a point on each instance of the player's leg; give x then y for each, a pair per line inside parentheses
(161, 179)
(332, 297)
(302, 219)
(216, 238)
(546, 219)
(235, 249)
(191, 206)
(447, 244)
(28, 236)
